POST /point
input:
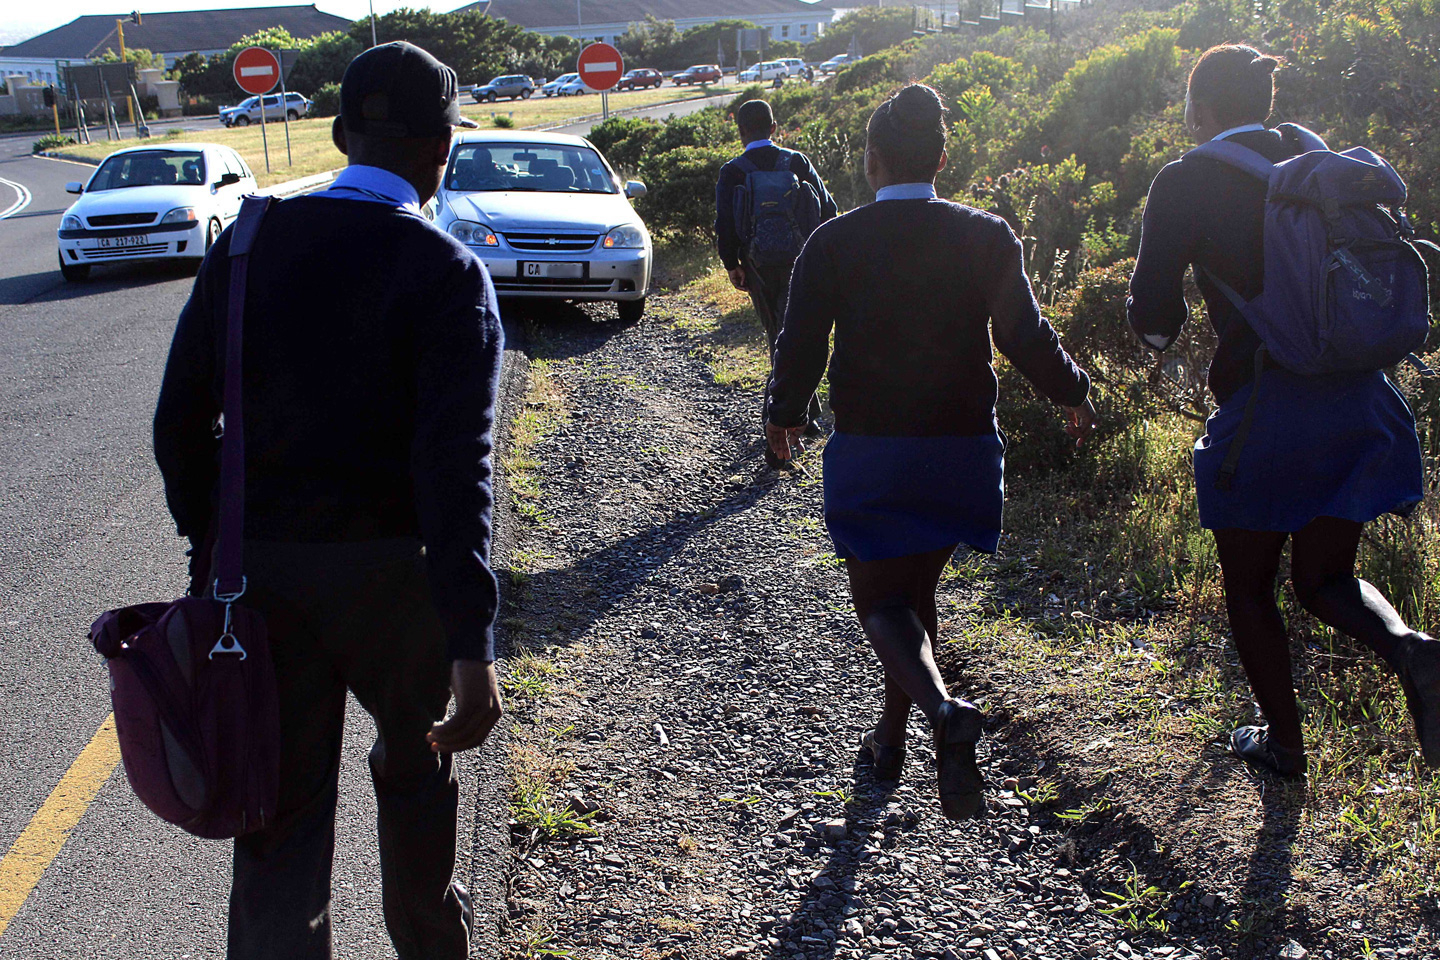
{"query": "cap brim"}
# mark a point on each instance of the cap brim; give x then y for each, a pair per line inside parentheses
(468, 123)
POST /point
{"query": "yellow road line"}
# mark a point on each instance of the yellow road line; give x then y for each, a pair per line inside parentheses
(40, 844)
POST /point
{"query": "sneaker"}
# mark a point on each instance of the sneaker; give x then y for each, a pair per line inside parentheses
(888, 762)
(962, 788)
(1419, 671)
(1252, 744)
(812, 431)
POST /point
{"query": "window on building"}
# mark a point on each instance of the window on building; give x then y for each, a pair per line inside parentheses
(804, 29)
(785, 31)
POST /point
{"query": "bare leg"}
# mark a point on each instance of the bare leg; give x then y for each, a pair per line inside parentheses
(1250, 561)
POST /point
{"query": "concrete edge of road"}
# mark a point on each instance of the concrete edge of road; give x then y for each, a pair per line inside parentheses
(629, 111)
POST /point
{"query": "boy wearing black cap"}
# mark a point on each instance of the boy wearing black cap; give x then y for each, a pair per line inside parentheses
(372, 355)
(767, 283)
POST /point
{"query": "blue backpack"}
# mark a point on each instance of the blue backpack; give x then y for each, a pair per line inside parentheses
(1345, 287)
(775, 212)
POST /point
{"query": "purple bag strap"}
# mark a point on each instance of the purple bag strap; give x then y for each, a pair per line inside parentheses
(229, 570)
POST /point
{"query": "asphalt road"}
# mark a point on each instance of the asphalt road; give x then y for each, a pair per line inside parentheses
(83, 528)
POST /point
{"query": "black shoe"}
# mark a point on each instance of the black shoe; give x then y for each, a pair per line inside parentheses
(1419, 670)
(812, 431)
(1252, 744)
(888, 762)
(962, 789)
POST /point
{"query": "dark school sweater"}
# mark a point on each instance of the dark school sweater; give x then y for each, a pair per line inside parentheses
(727, 235)
(1204, 212)
(371, 368)
(912, 289)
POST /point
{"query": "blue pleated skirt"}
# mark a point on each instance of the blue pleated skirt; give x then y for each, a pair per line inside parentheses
(1341, 445)
(891, 497)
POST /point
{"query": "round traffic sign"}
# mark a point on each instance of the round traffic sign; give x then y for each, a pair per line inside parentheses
(600, 66)
(256, 70)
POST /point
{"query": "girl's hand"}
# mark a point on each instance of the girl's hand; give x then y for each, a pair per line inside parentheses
(1082, 421)
(781, 439)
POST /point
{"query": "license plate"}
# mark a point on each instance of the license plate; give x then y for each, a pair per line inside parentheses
(541, 268)
(109, 243)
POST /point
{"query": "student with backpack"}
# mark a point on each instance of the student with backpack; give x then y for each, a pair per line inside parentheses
(1312, 286)
(916, 464)
(767, 203)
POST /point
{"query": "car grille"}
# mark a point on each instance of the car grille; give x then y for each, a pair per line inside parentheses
(552, 242)
(551, 285)
(120, 253)
(121, 219)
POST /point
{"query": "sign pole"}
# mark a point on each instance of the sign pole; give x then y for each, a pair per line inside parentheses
(257, 71)
(264, 140)
(120, 30)
(600, 66)
(285, 108)
(605, 104)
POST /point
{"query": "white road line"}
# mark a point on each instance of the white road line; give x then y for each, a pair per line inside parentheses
(21, 202)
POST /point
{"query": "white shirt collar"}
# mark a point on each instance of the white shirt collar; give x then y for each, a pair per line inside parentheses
(757, 144)
(906, 191)
(373, 184)
(1243, 128)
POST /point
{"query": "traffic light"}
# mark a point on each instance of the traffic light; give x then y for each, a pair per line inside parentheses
(49, 95)
(135, 17)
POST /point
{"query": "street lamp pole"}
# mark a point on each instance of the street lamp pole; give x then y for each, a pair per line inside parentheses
(373, 41)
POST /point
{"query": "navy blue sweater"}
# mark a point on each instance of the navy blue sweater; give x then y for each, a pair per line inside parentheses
(732, 175)
(912, 289)
(371, 367)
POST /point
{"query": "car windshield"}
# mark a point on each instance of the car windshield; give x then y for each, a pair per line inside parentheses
(148, 168)
(543, 168)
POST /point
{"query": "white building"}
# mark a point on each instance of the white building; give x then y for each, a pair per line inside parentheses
(608, 20)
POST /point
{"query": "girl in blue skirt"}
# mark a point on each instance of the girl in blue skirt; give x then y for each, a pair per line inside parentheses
(1325, 454)
(913, 287)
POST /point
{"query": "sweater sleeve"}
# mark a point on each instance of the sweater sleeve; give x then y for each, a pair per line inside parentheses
(187, 445)
(1156, 305)
(808, 173)
(1023, 335)
(727, 236)
(459, 351)
(803, 348)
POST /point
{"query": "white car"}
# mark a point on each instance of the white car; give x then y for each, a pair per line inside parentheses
(552, 88)
(764, 72)
(548, 216)
(153, 203)
(573, 88)
(794, 65)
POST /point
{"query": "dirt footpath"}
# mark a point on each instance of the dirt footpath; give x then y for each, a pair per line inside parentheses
(691, 686)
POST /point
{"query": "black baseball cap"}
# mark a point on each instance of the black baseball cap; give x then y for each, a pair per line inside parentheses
(399, 90)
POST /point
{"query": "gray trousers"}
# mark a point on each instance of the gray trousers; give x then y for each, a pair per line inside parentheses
(769, 289)
(354, 616)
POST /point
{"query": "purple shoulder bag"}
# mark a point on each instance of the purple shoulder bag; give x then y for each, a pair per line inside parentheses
(191, 680)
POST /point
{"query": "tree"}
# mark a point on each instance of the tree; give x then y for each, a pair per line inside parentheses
(872, 28)
(322, 60)
(142, 58)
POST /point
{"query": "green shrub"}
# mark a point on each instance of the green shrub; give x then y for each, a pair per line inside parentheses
(624, 140)
(326, 101)
(503, 121)
(681, 182)
(52, 142)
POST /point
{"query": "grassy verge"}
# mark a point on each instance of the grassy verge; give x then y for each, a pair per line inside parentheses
(313, 152)
(724, 330)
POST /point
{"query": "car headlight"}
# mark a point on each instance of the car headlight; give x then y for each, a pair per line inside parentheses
(70, 222)
(627, 237)
(179, 215)
(474, 234)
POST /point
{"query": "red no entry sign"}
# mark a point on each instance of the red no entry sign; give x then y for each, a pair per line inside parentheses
(600, 66)
(256, 70)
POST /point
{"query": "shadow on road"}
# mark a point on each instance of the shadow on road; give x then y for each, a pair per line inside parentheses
(48, 284)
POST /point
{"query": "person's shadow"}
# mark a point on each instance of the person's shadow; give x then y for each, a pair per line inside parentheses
(827, 895)
(1269, 872)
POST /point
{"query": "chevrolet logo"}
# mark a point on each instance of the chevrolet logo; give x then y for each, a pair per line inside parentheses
(552, 241)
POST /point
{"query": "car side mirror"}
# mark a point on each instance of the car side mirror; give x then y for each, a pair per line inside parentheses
(228, 179)
(74, 186)
(634, 189)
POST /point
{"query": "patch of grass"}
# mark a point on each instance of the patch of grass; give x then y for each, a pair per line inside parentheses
(543, 411)
(1140, 905)
(528, 676)
(722, 325)
(535, 801)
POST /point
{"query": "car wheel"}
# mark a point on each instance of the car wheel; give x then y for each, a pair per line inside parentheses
(291, 115)
(525, 94)
(491, 97)
(242, 121)
(212, 233)
(631, 310)
(74, 273)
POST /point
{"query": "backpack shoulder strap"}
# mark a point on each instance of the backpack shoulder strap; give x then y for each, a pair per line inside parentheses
(1242, 158)
(229, 578)
(746, 165)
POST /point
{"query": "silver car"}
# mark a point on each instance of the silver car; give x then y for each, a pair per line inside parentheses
(248, 111)
(549, 218)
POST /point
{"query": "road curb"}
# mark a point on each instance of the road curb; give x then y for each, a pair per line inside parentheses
(622, 113)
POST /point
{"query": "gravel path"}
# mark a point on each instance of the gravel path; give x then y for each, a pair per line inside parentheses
(710, 686)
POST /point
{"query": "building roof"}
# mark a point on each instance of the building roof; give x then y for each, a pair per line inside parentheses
(180, 32)
(543, 14)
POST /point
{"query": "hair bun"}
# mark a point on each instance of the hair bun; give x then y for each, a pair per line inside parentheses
(1266, 64)
(916, 107)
